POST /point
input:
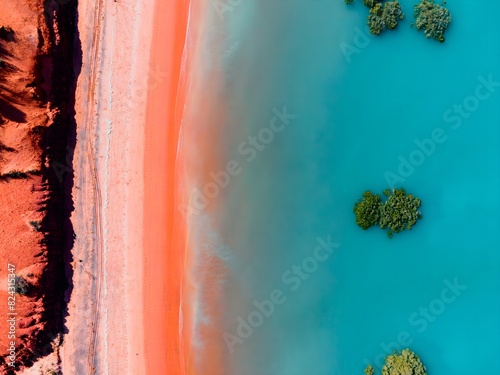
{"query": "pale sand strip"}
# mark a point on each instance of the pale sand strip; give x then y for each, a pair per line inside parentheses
(111, 98)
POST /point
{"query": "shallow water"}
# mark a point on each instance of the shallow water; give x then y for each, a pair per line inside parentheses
(356, 118)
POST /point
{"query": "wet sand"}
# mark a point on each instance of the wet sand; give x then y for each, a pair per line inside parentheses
(164, 229)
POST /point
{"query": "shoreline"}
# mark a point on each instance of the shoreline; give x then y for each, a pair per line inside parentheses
(164, 238)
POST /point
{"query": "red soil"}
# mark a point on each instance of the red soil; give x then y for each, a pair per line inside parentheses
(25, 117)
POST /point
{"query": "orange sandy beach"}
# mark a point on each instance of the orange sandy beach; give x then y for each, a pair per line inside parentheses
(131, 306)
(164, 229)
(169, 288)
(131, 235)
(124, 313)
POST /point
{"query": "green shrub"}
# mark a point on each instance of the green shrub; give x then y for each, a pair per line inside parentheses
(369, 370)
(22, 285)
(405, 363)
(384, 16)
(399, 212)
(392, 14)
(367, 210)
(434, 19)
(371, 3)
(375, 21)
(36, 225)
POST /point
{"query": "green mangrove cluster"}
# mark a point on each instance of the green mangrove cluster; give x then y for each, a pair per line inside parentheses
(404, 363)
(434, 19)
(368, 210)
(370, 3)
(431, 17)
(384, 16)
(399, 212)
(369, 370)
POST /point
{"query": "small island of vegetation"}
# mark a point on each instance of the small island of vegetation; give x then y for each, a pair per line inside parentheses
(434, 19)
(399, 212)
(384, 16)
(404, 363)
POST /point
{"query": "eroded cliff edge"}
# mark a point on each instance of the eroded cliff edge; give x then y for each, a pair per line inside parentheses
(40, 60)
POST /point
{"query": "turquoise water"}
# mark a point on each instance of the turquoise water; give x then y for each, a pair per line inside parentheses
(354, 119)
